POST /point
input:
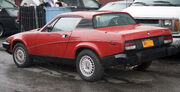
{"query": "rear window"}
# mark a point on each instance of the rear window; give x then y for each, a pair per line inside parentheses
(112, 19)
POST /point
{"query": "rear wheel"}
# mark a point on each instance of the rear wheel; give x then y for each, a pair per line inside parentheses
(143, 67)
(20, 56)
(89, 66)
(1, 30)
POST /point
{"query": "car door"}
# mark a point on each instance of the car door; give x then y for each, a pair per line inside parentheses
(53, 40)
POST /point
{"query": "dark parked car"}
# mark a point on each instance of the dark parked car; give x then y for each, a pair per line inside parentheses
(8, 16)
(74, 4)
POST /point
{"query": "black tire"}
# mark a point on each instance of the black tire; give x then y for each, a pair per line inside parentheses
(21, 56)
(92, 62)
(1, 31)
(143, 67)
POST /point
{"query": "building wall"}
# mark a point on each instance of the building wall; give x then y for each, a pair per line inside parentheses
(103, 2)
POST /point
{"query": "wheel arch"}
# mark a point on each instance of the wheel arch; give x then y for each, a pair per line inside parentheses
(15, 42)
(91, 47)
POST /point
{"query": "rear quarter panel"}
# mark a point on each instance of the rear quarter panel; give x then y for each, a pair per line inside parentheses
(92, 39)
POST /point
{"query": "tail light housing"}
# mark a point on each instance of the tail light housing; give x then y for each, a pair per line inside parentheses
(168, 39)
(130, 45)
(18, 15)
(176, 26)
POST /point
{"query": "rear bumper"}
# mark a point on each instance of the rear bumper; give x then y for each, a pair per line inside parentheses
(138, 57)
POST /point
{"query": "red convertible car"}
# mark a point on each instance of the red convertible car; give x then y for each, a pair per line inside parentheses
(93, 40)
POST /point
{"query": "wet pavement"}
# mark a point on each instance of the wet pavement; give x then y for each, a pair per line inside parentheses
(44, 76)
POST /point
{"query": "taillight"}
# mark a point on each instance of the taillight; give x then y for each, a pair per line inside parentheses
(130, 45)
(18, 15)
(168, 39)
(176, 26)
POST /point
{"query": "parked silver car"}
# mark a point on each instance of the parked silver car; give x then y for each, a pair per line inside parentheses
(117, 5)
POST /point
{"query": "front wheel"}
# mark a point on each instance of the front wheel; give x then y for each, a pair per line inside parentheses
(21, 56)
(89, 66)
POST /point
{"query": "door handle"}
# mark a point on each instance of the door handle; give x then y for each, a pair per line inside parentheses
(64, 36)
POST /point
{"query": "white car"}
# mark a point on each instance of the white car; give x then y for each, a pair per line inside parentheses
(163, 13)
(30, 3)
(89, 4)
(117, 5)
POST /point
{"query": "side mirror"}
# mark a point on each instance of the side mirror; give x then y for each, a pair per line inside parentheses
(100, 5)
(137, 22)
(49, 28)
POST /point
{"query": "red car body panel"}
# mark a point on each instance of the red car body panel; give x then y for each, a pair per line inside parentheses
(131, 32)
(104, 41)
(50, 44)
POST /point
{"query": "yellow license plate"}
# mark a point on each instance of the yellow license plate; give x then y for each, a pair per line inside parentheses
(147, 43)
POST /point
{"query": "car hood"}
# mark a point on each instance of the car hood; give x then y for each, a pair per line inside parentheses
(139, 31)
(153, 11)
(26, 33)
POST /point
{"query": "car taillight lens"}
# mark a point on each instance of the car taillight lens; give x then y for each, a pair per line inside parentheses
(168, 39)
(176, 25)
(130, 45)
(18, 15)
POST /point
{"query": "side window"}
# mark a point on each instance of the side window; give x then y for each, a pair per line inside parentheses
(85, 23)
(66, 24)
(6, 4)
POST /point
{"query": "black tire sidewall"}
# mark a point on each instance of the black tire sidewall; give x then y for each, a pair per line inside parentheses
(99, 70)
(27, 61)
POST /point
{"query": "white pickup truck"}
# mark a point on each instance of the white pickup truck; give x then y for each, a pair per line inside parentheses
(163, 13)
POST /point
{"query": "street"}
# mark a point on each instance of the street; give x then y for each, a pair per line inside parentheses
(43, 76)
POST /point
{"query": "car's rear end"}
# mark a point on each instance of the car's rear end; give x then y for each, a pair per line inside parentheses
(148, 48)
(11, 19)
(141, 43)
(8, 17)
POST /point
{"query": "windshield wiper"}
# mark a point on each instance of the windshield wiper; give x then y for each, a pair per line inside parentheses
(141, 3)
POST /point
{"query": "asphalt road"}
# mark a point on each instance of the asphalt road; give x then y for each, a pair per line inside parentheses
(162, 76)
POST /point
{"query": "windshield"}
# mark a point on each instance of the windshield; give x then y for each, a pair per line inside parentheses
(115, 6)
(112, 19)
(156, 3)
(6, 4)
(90, 4)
